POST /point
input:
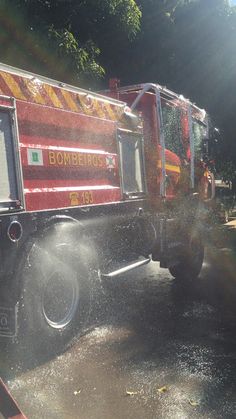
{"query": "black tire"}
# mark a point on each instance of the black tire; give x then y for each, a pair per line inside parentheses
(57, 282)
(191, 261)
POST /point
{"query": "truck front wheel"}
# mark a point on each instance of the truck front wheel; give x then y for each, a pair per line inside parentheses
(56, 293)
(190, 263)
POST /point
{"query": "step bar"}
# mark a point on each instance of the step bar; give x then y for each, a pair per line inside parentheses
(127, 268)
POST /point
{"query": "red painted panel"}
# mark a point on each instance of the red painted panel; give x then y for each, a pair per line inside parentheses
(171, 157)
(60, 183)
(45, 115)
(34, 133)
(66, 158)
(50, 198)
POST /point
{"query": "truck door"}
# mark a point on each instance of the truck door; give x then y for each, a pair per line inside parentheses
(175, 154)
(131, 164)
(133, 183)
(10, 191)
(203, 178)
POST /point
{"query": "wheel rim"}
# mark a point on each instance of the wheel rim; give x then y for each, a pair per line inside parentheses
(60, 299)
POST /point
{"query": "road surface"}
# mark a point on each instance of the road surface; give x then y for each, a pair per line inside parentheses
(158, 348)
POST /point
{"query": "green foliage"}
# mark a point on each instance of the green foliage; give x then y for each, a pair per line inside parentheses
(79, 62)
(63, 38)
(188, 45)
(227, 171)
(204, 36)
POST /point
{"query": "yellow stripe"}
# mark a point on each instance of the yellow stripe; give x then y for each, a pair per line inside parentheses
(110, 111)
(56, 102)
(119, 112)
(69, 100)
(170, 167)
(38, 98)
(33, 90)
(13, 86)
(98, 108)
(86, 109)
(173, 168)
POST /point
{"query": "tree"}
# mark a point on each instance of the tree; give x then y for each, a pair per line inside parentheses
(63, 38)
(205, 64)
(150, 56)
(190, 46)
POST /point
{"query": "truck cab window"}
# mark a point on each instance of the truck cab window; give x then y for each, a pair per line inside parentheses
(8, 188)
(131, 160)
(172, 129)
(199, 133)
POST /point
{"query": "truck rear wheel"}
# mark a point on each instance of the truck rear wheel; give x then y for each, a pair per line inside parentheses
(56, 293)
(191, 261)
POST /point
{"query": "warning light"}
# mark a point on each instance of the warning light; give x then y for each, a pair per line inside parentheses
(15, 231)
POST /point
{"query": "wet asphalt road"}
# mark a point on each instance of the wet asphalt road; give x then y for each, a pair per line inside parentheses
(160, 349)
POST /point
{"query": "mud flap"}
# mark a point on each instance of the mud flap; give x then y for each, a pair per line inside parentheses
(169, 248)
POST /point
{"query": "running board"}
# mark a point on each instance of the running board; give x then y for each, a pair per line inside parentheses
(127, 268)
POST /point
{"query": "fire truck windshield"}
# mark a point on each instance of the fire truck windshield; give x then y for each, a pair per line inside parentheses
(172, 129)
(199, 133)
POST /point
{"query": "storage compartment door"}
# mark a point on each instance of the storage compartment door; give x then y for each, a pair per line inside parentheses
(8, 182)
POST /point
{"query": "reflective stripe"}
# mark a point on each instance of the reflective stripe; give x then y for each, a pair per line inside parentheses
(110, 112)
(98, 108)
(70, 102)
(32, 89)
(86, 108)
(170, 167)
(56, 102)
(13, 86)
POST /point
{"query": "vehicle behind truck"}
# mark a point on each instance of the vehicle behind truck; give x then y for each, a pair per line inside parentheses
(91, 187)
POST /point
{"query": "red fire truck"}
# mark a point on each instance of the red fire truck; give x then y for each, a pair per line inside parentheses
(89, 189)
